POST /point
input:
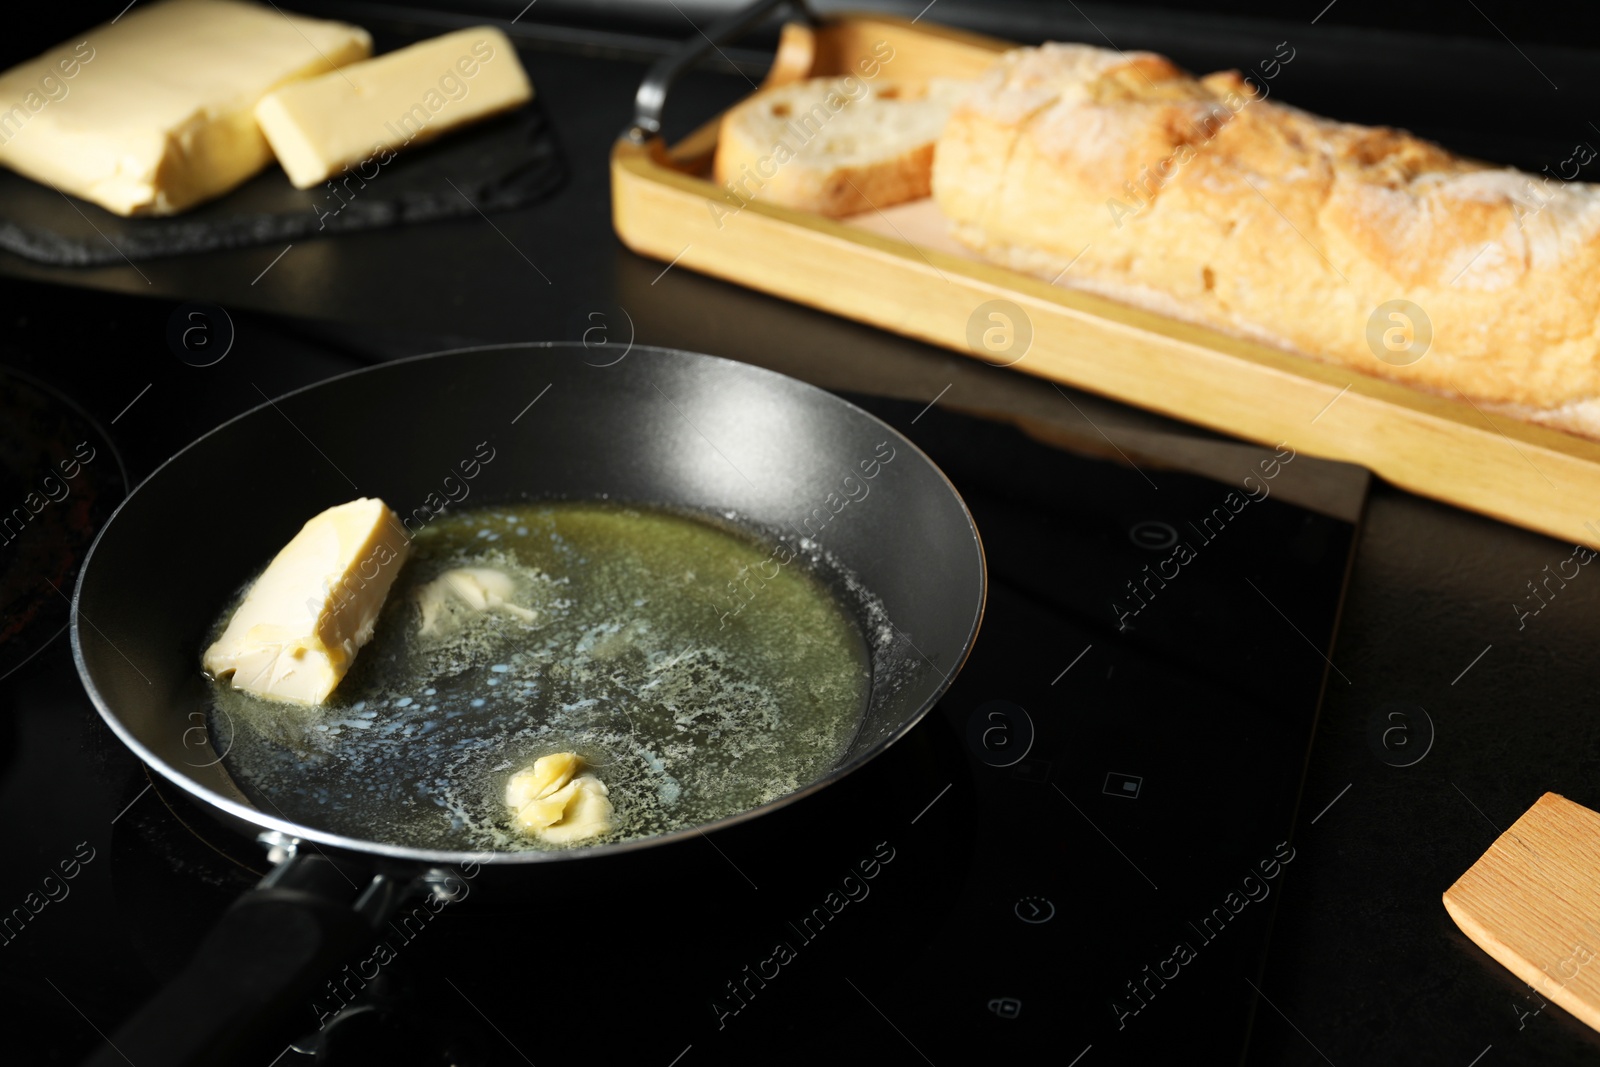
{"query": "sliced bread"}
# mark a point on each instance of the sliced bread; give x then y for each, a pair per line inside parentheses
(835, 146)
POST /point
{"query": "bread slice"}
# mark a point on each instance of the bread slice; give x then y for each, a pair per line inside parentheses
(1196, 199)
(835, 146)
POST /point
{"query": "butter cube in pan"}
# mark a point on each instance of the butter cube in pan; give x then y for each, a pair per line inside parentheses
(300, 626)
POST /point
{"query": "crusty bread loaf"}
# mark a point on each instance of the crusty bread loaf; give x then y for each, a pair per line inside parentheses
(836, 146)
(1197, 200)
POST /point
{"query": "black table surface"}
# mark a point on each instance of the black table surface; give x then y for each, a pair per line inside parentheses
(1365, 966)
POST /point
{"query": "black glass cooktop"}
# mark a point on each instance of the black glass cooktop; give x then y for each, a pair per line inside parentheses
(1077, 855)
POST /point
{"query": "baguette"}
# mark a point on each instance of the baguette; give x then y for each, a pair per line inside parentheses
(1198, 199)
(835, 146)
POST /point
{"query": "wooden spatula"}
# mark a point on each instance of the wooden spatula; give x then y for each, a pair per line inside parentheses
(1533, 903)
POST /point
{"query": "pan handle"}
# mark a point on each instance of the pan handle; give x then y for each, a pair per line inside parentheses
(256, 972)
(651, 99)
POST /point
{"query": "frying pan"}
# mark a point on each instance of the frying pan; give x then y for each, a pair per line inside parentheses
(562, 421)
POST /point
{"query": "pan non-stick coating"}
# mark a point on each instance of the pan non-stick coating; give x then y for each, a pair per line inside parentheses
(656, 427)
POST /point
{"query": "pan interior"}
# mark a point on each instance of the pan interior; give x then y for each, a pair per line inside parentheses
(455, 430)
(698, 673)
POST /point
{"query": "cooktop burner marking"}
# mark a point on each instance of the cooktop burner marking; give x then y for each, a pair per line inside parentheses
(1126, 785)
(1035, 910)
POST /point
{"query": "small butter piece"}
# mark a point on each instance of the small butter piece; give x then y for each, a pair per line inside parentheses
(529, 790)
(361, 113)
(154, 112)
(587, 814)
(553, 802)
(301, 624)
(481, 589)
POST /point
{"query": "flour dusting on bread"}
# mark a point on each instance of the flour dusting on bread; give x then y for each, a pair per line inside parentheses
(1198, 199)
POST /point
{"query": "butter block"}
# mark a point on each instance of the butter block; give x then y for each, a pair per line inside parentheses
(367, 111)
(555, 803)
(155, 112)
(301, 624)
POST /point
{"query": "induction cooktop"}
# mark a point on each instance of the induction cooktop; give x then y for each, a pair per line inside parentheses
(1074, 858)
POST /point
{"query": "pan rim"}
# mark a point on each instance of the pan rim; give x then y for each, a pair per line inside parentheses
(266, 822)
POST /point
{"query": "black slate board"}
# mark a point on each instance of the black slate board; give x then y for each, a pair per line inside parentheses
(505, 163)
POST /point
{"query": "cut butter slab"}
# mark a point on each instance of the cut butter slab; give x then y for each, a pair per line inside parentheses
(361, 114)
(301, 624)
(157, 113)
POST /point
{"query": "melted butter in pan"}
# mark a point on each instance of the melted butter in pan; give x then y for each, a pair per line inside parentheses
(596, 629)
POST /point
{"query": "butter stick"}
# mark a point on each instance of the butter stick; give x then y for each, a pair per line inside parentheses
(368, 110)
(301, 624)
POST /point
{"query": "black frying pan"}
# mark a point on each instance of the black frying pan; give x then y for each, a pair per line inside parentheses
(564, 422)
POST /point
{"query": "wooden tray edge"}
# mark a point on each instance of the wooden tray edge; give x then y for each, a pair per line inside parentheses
(1438, 447)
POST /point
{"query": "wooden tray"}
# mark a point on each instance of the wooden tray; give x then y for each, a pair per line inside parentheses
(898, 270)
